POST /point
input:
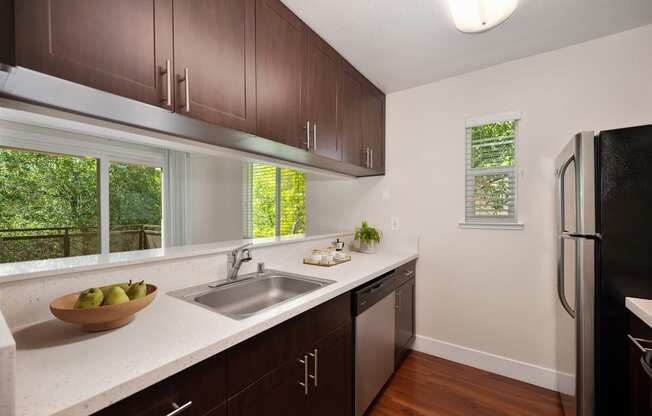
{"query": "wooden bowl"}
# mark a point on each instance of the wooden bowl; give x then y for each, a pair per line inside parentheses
(101, 318)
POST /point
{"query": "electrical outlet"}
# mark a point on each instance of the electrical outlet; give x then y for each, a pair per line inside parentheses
(395, 224)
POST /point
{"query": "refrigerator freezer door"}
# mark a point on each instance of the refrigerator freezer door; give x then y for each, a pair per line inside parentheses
(575, 273)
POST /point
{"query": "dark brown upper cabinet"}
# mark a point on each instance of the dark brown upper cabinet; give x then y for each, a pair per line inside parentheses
(350, 118)
(247, 66)
(322, 81)
(373, 127)
(280, 55)
(214, 61)
(118, 46)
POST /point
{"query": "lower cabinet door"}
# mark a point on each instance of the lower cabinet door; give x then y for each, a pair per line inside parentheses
(279, 393)
(331, 374)
(404, 319)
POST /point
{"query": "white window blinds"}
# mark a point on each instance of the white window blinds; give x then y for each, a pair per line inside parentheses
(491, 171)
(274, 201)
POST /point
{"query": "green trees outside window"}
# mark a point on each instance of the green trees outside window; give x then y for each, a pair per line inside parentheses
(275, 202)
(50, 206)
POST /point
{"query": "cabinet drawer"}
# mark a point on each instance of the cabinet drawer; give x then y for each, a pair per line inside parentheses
(203, 384)
(406, 272)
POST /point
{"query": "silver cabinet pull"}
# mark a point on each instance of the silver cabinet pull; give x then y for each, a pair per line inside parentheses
(168, 81)
(398, 299)
(308, 135)
(178, 409)
(186, 80)
(371, 163)
(367, 163)
(305, 374)
(315, 355)
(314, 135)
(409, 272)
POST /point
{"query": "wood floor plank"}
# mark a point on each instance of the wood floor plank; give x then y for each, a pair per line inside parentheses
(429, 386)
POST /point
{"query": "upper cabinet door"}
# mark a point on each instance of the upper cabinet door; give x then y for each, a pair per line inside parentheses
(214, 47)
(322, 80)
(350, 118)
(373, 127)
(118, 46)
(280, 54)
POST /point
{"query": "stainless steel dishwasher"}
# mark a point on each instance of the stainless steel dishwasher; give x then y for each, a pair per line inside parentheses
(373, 308)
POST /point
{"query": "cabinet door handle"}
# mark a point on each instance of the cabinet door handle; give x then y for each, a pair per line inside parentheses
(314, 135)
(409, 272)
(371, 164)
(186, 80)
(168, 81)
(315, 355)
(367, 163)
(308, 135)
(398, 299)
(305, 374)
(178, 409)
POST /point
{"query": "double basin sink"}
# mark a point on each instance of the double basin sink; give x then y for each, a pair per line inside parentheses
(250, 294)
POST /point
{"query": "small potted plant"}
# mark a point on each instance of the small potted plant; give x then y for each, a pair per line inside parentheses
(367, 238)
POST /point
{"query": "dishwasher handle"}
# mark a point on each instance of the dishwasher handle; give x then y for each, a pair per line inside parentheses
(372, 293)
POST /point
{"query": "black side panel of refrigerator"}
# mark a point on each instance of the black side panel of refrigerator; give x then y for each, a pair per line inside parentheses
(624, 181)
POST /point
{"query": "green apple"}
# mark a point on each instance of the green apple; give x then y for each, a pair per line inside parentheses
(89, 298)
(115, 296)
(137, 290)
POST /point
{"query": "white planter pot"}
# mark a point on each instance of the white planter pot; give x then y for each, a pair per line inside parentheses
(368, 247)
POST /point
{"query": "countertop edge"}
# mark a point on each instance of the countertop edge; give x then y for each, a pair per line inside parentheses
(142, 381)
(642, 308)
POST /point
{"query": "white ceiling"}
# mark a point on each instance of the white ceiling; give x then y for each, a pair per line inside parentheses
(400, 44)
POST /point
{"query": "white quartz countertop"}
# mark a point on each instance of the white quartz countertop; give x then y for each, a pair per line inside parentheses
(641, 308)
(63, 371)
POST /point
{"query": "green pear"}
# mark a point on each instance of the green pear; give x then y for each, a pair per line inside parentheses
(89, 298)
(115, 296)
(124, 286)
(137, 290)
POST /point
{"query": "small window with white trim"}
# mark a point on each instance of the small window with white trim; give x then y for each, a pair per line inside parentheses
(491, 171)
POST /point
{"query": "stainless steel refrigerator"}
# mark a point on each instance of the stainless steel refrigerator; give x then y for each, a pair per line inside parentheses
(604, 254)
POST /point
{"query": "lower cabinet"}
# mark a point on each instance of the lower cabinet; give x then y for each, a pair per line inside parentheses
(331, 392)
(200, 390)
(639, 381)
(275, 394)
(405, 301)
(300, 367)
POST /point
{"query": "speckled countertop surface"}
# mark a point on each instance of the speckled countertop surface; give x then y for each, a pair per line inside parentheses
(641, 308)
(63, 371)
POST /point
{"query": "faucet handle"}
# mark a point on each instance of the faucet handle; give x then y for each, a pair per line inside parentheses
(246, 255)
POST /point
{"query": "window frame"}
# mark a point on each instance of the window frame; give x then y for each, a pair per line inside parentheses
(105, 151)
(247, 217)
(507, 223)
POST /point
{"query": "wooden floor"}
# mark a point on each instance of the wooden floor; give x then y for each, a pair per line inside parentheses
(430, 386)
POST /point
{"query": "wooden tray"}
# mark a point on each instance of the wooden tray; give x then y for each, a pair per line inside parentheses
(334, 263)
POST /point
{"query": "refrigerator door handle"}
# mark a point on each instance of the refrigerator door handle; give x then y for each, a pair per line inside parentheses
(561, 289)
(561, 218)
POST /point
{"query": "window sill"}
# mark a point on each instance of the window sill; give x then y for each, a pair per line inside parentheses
(10, 272)
(492, 225)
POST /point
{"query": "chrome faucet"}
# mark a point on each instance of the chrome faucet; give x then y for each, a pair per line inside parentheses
(236, 257)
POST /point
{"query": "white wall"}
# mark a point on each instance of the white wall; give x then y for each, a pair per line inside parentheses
(491, 290)
(216, 199)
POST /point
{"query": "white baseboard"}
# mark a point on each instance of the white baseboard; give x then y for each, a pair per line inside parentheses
(518, 370)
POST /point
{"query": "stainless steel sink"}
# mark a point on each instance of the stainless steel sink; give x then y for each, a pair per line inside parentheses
(252, 293)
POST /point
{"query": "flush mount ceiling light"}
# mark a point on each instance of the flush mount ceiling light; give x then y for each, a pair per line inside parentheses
(475, 16)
